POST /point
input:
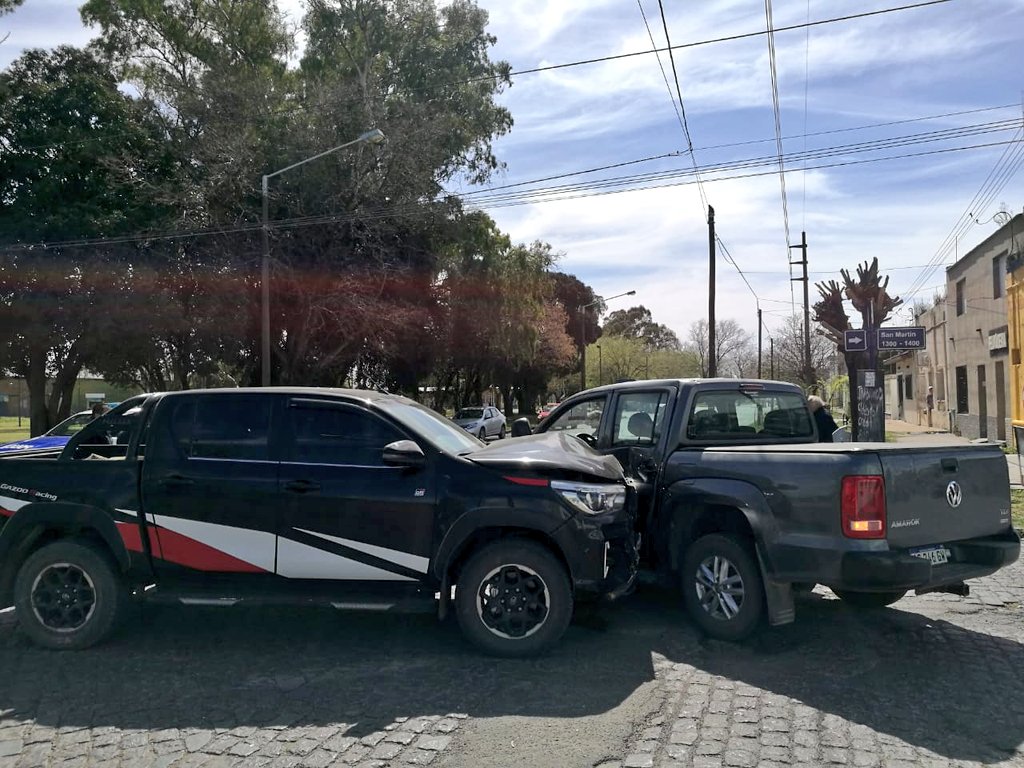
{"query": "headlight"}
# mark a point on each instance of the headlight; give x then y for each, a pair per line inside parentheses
(590, 498)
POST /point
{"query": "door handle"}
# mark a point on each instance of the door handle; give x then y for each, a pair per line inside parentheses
(950, 464)
(177, 481)
(302, 486)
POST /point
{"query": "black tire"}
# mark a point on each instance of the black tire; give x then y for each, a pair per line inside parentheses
(527, 589)
(868, 600)
(710, 594)
(501, 432)
(68, 595)
(482, 434)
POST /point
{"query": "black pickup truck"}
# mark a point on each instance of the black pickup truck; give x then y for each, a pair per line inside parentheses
(739, 505)
(352, 498)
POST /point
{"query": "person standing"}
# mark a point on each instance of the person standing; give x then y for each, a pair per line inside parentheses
(822, 419)
(929, 402)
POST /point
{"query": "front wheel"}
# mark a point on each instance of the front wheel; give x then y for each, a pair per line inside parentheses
(513, 598)
(868, 600)
(482, 434)
(68, 596)
(722, 587)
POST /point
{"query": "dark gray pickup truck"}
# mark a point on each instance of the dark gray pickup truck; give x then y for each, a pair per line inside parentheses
(740, 505)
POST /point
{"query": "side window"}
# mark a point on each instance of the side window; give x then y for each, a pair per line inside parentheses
(583, 417)
(232, 427)
(338, 435)
(639, 417)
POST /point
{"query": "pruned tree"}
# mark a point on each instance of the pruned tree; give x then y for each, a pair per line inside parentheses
(870, 297)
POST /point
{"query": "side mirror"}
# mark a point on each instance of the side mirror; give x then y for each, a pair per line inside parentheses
(521, 427)
(842, 435)
(404, 453)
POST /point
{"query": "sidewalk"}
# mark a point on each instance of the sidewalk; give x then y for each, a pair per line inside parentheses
(911, 434)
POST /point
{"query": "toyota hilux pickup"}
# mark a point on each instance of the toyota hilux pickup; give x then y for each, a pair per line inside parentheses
(740, 506)
(345, 497)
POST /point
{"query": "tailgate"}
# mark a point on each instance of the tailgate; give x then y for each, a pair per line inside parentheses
(938, 495)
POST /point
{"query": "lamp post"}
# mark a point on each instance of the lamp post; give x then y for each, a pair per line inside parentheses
(583, 332)
(375, 136)
(600, 366)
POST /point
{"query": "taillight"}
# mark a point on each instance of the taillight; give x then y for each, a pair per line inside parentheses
(863, 507)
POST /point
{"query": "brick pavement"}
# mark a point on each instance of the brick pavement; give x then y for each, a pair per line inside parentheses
(935, 681)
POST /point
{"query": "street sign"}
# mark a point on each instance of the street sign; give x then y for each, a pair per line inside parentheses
(856, 341)
(901, 338)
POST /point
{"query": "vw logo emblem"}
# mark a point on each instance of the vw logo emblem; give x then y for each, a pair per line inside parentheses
(953, 494)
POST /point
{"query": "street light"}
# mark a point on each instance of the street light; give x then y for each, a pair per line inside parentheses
(375, 136)
(583, 332)
(600, 366)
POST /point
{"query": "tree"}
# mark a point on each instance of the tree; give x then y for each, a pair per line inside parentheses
(870, 297)
(732, 345)
(621, 358)
(637, 323)
(78, 159)
(789, 352)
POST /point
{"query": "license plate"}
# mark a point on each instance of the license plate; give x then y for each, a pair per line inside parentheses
(936, 555)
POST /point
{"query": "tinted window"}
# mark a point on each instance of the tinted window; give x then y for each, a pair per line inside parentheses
(639, 417)
(470, 413)
(338, 435)
(735, 416)
(232, 427)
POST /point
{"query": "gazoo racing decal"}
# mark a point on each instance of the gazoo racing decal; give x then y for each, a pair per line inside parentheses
(9, 505)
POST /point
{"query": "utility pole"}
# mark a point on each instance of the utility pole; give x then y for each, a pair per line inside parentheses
(771, 341)
(712, 356)
(807, 306)
(759, 327)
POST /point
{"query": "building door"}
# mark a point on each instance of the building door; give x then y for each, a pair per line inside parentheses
(982, 403)
(1000, 400)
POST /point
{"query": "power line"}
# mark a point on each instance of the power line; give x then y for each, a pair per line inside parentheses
(671, 98)
(641, 182)
(711, 41)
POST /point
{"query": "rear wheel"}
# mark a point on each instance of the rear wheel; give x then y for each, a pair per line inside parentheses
(722, 586)
(868, 600)
(68, 595)
(501, 432)
(513, 598)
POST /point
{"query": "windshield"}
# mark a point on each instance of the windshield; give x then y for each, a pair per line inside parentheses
(434, 427)
(71, 425)
(470, 413)
(757, 416)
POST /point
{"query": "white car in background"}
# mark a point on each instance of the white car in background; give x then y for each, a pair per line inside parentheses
(484, 421)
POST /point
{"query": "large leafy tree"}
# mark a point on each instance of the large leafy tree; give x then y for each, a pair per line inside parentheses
(78, 159)
(638, 323)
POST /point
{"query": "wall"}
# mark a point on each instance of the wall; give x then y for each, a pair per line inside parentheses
(978, 337)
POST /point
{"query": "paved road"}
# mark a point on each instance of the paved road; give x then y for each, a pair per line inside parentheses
(936, 681)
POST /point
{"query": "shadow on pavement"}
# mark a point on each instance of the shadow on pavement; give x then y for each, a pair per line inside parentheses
(928, 682)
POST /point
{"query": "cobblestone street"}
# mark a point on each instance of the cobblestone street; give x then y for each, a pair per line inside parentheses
(934, 681)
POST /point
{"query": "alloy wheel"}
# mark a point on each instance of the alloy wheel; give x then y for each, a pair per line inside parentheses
(513, 601)
(719, 587)
(63, 597)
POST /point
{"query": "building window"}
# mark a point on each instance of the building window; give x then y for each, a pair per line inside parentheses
(908, 386)
(961, 389)
(998, 275)
(961, 302)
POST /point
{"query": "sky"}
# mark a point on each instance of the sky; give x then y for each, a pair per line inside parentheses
(912, 119)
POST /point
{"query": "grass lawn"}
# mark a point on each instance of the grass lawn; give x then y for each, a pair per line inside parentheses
(10, 431)
(1017, 507)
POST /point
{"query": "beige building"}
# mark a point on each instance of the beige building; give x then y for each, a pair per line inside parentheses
(967, 357)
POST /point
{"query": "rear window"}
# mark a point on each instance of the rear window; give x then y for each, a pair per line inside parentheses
(735, 416)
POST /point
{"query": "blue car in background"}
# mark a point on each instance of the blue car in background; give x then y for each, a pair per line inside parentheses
(56, 437)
